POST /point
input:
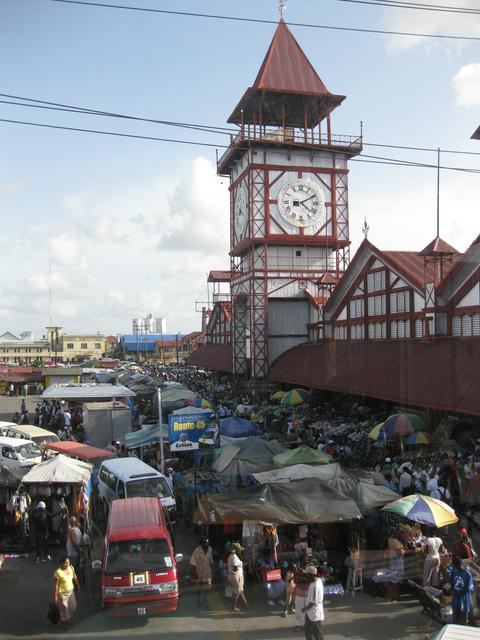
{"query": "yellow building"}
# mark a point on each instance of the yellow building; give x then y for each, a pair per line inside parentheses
(73, 347)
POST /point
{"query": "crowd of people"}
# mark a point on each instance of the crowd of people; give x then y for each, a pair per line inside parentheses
(330, 426)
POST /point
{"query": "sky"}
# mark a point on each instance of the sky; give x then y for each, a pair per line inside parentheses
(117, 228)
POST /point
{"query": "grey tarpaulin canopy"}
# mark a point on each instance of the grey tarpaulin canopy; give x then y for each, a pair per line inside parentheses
(82, 391)
(60, 469)
(295, 502)
(247, 456)
(371, 496)
(333, 474)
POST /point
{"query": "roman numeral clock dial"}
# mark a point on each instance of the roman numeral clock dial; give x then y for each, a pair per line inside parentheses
(301, 202)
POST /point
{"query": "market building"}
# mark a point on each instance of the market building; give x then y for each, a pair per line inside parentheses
(395, 325)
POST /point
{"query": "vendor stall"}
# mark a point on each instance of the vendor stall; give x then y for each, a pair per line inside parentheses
(64, 484)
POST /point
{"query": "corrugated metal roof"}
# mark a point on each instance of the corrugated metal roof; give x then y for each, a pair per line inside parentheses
(218, 357)
(219, 276)
(441, 374)
(286, 68)
(80, 391)
(438, 247)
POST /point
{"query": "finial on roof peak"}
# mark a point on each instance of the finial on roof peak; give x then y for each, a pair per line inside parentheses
(282, 7)
(365, 228)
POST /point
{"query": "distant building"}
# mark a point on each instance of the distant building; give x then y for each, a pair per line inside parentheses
(16, 350)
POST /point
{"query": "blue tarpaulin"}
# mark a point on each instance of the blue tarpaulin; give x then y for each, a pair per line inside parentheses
(237, 427)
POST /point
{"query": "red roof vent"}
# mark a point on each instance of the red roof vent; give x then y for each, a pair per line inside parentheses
(438, 247)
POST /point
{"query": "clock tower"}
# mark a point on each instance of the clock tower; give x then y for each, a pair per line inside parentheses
(288, 205)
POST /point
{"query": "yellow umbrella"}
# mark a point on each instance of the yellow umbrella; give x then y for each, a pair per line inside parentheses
(279, 395)
(375, 432)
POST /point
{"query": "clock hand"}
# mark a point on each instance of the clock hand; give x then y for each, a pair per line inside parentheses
(304, 205)
(307, 199)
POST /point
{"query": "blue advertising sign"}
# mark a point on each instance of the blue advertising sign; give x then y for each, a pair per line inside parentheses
(184, 431)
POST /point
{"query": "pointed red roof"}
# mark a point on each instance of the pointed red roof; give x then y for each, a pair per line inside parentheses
(287, 89)
(438, 247)
(286, 68)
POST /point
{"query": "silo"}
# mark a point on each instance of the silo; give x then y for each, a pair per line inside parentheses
(160, 326)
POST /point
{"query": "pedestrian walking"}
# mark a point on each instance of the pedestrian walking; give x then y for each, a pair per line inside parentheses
(289, 591)
(302, 583)
(462, 585)
(74, 542)
(313, 608)
(431, 566)
(201, 563)
(236, 577)
(40, 530)
(64, 590)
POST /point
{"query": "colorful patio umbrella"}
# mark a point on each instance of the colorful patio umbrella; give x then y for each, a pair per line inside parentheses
(420, 437)
(403, 424)
(376, 431)
(279, 395)
(295, 396)
(423, 509)
(201, 402)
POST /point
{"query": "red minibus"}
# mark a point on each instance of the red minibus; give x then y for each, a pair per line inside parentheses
(139, 572)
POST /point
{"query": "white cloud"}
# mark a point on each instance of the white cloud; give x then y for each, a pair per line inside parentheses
(431, 23)
(405, 219)
(466, 83)
(123, 252)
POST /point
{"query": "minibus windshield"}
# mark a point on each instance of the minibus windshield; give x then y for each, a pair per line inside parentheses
(125, 556)
(148, 488)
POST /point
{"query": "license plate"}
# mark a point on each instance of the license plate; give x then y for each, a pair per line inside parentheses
(141, 611)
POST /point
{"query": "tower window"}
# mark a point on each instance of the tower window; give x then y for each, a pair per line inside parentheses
(298, 254)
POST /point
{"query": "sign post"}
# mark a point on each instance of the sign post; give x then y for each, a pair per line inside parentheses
(160, 425)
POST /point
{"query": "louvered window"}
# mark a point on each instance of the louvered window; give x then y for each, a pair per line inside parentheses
(400, 302)
(467, 325)
(476, 324)
(356, 308)
(376, 281)
(357, 332)
(457, 325)
(418, 328)
(376, 306)
(377, 330)
(340, 332)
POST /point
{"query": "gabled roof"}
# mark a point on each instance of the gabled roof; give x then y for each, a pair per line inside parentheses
(476, 134)
(463, 273)
(286, 68)
(8, 336)
(409, 265)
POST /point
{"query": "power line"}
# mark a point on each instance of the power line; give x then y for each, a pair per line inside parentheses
(394, 4)
(262, 21)
(368, 158)
(58, 106)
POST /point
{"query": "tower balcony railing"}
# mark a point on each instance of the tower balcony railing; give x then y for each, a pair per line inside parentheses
(282, 264)
(291, 136)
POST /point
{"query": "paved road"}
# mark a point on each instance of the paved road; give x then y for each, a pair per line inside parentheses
(25, 589)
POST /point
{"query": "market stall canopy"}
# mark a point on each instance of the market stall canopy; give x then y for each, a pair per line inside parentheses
(296, 502)
(248, 456)
(87, 391)
(144, 436)
(60, 469)
(296, 472)
(176, 396)
(79, 450)
(10, 477)
(301, 455)
(371, 496)
(234, 427)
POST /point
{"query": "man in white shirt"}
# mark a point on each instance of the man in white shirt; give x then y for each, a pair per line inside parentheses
(313, 608)
(405, 483)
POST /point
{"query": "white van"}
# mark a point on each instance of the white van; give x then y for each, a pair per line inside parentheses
(4, 427)
(16, 453)
(132, 478)
(31, 432)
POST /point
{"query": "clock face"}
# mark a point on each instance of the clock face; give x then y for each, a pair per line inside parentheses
(241, 208)
(301, 202)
